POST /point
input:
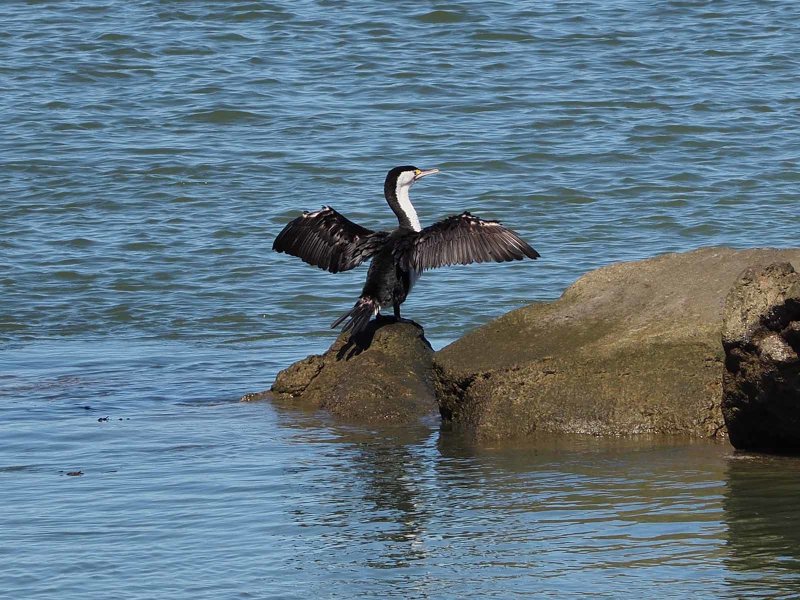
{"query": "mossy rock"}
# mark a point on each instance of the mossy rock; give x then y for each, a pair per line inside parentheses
(630, 348)
(384, 375)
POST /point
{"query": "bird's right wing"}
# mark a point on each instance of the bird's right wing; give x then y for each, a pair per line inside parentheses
(326, 239)
(464, 239)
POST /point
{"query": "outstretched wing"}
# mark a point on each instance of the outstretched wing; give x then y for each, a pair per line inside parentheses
(464, 239)
(327, 240)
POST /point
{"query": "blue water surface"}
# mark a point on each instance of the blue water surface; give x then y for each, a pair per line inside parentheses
(151, 151)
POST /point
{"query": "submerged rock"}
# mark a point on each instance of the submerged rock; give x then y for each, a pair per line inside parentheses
(629, 348)
(381, 375)
(761, 338)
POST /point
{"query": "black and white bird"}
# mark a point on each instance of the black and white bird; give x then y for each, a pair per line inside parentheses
(326, 239)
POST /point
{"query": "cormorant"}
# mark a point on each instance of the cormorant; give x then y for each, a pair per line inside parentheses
(326, 239)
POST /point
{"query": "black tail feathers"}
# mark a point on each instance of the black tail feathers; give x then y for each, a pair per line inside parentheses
(363, 310)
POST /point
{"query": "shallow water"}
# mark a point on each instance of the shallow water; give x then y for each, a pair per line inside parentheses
(151, 151)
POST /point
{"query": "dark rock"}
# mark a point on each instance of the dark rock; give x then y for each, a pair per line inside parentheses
(630, 348)
(761, 338)
(382, 375)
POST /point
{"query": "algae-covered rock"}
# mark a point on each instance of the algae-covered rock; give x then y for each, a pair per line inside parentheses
(381, 375)
(761, 337)
(629, 348)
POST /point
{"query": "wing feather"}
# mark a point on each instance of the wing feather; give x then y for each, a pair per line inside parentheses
(328, 240)
(464, 239)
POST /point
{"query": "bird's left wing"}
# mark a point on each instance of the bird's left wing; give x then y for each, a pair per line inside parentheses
(464, 239)
(326, 239)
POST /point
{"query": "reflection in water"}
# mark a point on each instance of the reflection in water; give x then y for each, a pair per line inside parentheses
(427, 513)
(761, 511)
(391, 474)
(434, 512)
(376, 500)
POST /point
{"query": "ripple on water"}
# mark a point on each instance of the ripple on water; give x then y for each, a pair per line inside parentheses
(224, 116)
(442, 17)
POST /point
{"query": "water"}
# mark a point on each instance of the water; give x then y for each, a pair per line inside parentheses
(150, 152)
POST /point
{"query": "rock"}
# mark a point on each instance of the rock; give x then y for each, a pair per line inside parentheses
(629, 348)
(383, 375)
(761, 338)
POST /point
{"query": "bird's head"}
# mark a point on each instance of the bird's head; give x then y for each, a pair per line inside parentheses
(398, 182)
(405, 176)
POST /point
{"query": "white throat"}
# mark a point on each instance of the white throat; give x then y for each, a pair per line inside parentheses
(407, 207)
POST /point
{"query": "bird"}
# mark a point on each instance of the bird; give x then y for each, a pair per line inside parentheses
(326, 239)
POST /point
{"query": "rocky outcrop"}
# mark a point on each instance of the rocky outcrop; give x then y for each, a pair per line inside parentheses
(382, 375)
(761, 338)
(629, 348)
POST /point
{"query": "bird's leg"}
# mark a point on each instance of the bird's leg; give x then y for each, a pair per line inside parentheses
(397, 317)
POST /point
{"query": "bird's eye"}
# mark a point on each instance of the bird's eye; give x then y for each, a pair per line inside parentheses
(417, 171)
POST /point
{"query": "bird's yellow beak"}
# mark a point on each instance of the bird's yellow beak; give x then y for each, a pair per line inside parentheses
(420, 173)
